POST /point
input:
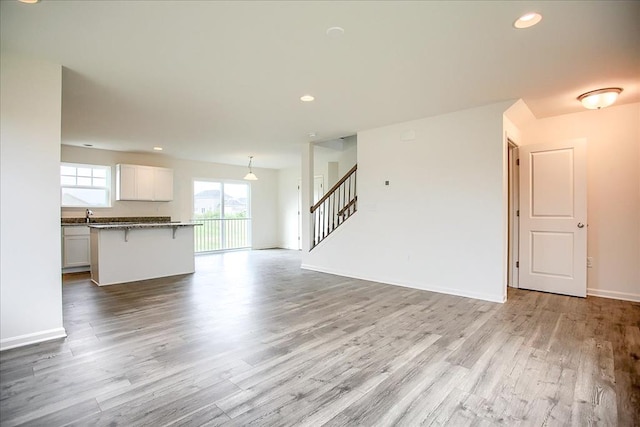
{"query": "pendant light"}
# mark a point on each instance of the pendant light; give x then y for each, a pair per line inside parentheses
(250, 176)
(601, 98)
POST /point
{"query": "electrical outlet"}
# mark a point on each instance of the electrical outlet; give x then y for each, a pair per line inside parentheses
(589, 262)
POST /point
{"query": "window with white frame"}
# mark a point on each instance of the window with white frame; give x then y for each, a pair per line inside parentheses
(85, 185)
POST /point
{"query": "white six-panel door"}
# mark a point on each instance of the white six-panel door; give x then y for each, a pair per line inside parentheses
(553, 217)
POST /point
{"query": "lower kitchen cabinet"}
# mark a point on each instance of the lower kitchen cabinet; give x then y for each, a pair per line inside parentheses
(76, 248)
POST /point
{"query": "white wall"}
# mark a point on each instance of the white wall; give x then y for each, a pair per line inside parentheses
(30, 285)
(613, 192)
(440, 224)
(349, 156)
(264, 192)
(517, 117)
(346, 155)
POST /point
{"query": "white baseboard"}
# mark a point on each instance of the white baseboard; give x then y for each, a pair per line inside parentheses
(82, 269)
(613, 295)
(36, 337)
(422, 287)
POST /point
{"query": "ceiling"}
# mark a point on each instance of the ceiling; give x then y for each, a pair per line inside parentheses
(219, 81)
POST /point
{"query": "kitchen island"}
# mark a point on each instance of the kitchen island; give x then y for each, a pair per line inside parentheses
(128, 252)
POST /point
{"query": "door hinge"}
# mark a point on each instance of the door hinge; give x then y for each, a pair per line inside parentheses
(518, 212)
(517, 264)
(517, 162)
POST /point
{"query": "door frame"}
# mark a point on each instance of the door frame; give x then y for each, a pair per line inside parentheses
(513, 219)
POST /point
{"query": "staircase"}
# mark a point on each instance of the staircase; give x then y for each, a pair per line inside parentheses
(335, 207)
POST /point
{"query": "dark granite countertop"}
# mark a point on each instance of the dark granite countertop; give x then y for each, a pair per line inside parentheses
(116, 220)
(129, 226)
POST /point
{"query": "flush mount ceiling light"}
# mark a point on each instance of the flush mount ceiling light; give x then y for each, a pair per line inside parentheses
(29, 1)
(601, 98)
(335, 32)
(157, 148)
(306, 98)
(250, 176)
(527, 20)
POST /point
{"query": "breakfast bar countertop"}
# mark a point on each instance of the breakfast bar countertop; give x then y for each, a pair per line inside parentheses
(125, 225)
(102, 220)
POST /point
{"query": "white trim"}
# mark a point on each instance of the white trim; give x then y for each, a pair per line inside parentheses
(36, 337)
(625, 296)
(513, 206)
(449, 291)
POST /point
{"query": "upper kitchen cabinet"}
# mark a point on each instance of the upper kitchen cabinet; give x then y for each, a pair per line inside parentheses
(163, 184)
(144, 183)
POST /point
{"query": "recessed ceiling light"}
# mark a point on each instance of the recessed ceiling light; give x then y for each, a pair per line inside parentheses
(157, 148)
(29, 1)
(306, 98)
(601, 98)
(335, 32)
(527, 20)
(312, 134)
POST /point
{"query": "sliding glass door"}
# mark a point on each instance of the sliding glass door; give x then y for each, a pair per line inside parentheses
(223, 209)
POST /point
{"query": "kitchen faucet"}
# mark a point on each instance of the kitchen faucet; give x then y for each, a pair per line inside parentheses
(88, 213)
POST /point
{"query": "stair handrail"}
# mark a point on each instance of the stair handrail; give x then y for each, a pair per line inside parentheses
(335, 207)
(334, 188)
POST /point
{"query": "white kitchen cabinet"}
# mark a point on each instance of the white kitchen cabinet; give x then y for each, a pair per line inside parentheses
(162, 184)
(126, 182)
(144, 183)
(76, 248)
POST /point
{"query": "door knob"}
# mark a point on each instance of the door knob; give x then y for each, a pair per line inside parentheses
(580, 225)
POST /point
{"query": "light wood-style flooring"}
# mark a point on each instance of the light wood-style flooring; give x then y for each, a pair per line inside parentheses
(251, 339)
